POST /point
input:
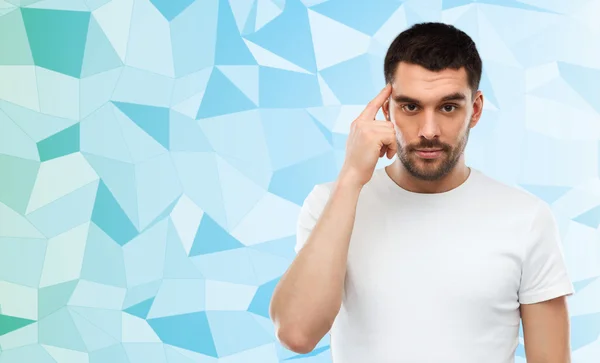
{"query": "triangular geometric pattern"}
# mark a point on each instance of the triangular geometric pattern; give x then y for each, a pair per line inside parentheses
(154, 156)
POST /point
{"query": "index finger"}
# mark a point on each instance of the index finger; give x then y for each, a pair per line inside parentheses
(375, 104)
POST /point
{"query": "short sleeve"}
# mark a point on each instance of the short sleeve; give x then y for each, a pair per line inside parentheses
(544, 274)
(311, 210)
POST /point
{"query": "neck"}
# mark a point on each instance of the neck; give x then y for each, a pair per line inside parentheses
(398, 173)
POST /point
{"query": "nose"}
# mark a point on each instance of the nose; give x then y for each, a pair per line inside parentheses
(429, 126)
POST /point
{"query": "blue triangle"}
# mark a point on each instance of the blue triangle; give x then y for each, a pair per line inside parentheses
(211, 238)
(590, 218)
(295, 46)
(364, 16)
(171, 8)
(153, 120)
(294, 182)
(583, 80)
(548, 193)
(358, 89)
(187, 331)
(251, 20)
(141, 309)
(260, 303)
(110, 217)
(231, 49)
(324, 130)
(222, 97)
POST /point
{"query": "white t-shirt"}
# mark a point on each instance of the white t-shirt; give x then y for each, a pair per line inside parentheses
(440, 277)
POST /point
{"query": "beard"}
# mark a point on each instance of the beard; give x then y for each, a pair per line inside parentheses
(432, 169)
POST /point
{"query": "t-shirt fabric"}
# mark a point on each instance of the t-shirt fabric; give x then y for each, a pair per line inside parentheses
(440, 277)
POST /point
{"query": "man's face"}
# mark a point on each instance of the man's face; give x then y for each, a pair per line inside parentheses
(433, 113)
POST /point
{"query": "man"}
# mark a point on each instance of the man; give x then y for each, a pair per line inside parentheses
(426, 260)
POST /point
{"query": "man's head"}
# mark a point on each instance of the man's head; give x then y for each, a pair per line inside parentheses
(434, 70)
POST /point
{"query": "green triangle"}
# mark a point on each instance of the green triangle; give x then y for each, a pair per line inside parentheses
(15, 191)
(12, 323)
(99, 55)
(13, 40)
(52, 298)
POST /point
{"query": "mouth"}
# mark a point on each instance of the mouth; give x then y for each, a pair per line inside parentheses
(429, 153)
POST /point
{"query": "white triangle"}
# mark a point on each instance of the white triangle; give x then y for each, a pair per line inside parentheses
(51, 183)
(115, 20)
(15, 225)
(190, 106)
(390, 29)
(19, 86)
(329, 98)
(245, 79)
(66, 355)
(450, 16)
(265, 12)
(268, 59)
(335, 42)
(491, 45)
(241, 10)
(186, 217)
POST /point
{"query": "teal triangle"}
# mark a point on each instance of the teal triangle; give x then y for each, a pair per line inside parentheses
(549, 193)
(52, 298)
(171, 8)
(211, 238)
(141, 309)
(230, 47)
(297, 46)
(110, 217)
(222, 97)
(12, 323)
(590, 218)
(152, 119)
(62, 143)
(57, 38)
(99, 56)
(187, 331)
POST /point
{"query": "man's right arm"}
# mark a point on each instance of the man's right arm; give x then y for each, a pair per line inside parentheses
(308, 297)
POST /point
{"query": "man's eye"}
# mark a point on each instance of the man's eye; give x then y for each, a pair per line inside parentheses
(449, 108)
(410, 107)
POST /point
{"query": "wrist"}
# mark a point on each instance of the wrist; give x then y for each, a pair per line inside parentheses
(348, 180)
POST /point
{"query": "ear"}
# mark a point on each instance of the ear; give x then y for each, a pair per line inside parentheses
(477, 108)
(386, 109)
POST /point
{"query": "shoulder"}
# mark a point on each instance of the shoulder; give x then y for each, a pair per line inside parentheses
(509, 197)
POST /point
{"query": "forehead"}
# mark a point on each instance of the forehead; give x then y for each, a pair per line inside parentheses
(420, 83)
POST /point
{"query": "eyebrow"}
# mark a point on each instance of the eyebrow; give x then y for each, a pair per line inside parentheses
(457, 96)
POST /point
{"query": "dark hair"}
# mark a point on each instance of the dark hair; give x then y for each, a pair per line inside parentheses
(434, 46)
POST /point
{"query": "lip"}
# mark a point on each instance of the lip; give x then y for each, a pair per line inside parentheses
(429, 154)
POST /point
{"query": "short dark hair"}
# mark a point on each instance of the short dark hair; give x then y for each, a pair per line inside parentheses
(434, 46)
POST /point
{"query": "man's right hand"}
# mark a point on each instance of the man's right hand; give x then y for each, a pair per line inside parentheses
(369, 140)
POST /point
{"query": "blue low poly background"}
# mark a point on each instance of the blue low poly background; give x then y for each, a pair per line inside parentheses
(154, 155)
